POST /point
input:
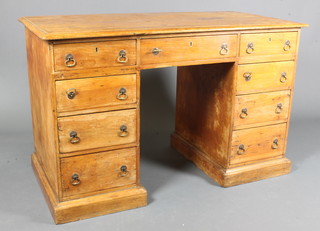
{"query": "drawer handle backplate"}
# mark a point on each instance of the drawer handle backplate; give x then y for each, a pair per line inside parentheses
(122, 94)
(224, 49)
(287, 45)
(70, 61)
(247, 76)
(74, 137)
(244, 113)
(122, 58)
(279, 108)
(283, 77)
(75, 179)
(250, 48)
(123, 171)
(241, 149)
(123, 131)
(275, 144)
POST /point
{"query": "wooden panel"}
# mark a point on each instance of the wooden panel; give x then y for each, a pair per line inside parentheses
(258, 143)
(43, 115)
(187, 48)
(94, 54)
(263, 107)
(205, 99)
(104, 25)
(265, 77)
(268, 44)
(95, 92)
(97, 130)
(98, 171)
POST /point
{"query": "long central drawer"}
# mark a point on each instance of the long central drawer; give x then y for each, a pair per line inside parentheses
(97, 130)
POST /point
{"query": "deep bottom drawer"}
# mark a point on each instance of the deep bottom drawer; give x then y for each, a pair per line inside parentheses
(94, 172)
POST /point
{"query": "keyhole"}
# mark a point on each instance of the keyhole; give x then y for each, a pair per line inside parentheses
(191, 44)
(96, 49)
(270, 39)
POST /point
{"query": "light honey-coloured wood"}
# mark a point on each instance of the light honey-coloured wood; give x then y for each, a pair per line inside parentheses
(168, 50)
(98, 130)
(94, 55)
(98, 171)
(96, 92)
(262, 77)
(261, 108)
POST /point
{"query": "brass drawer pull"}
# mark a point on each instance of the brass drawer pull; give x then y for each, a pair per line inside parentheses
(287, 45)
(123, 131)
(122, 58)
(70, 61)
(122, 94)
(247, 76)
(279, 108)
(74, 137)
(275, 144)
(241, 149)
(156, 51)
(244, 113)
(71, 93)
(250, 48)
(75, 179)
(283, 77)
(224, 49)
(124, 171)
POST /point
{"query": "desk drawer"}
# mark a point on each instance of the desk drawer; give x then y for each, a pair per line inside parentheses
(94, 55)
(258, 143)
(94, 172)
(97, 130)
(268, 43)
(96, 92)
(261, 108)
(265, 76)
(168, 50)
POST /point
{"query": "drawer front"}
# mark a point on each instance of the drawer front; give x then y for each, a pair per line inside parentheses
(97, 130)
(268, 43)
(260, 108)
(168, 50)
(94, 54)
(258, 143)
(265, 76)
(96, 92)
(94, 172)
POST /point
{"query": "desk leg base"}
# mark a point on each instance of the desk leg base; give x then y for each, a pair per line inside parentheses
(231, 176)
(92, 206)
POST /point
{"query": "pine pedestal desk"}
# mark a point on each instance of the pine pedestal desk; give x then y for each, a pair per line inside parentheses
(234, 93)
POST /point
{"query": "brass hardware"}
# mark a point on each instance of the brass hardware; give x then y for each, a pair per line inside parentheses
(122, 58)
(279, 108)
(123, 171)
(70, 61)
(75, 179)
(247, 76)
(156, 51)
(122, 94)
(250, 48)
(71, 93)
(244, 113)
(74, 137)
(123, 131)
(191, 44)
(275, 144)
(241, 149)
(287, 45)
(224, 49)
(283, 77)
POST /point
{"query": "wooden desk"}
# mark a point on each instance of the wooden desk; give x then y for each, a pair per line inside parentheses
(234, 94)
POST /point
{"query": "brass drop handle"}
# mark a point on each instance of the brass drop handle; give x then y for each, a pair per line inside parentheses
(283, 77)
(122, 57)
(250, 48)
(287, 45)
(156, 51)
(70, 61)
(123, 171)
(224, 49)
(244, 113)
(74, 137)
(279, 108)
(275, 144)
(71, 93)
(241, 149)
(122, 94)
(75, 179)
(123, 131)
(247, 76)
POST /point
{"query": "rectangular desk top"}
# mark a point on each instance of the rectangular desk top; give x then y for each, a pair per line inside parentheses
(107, 25)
